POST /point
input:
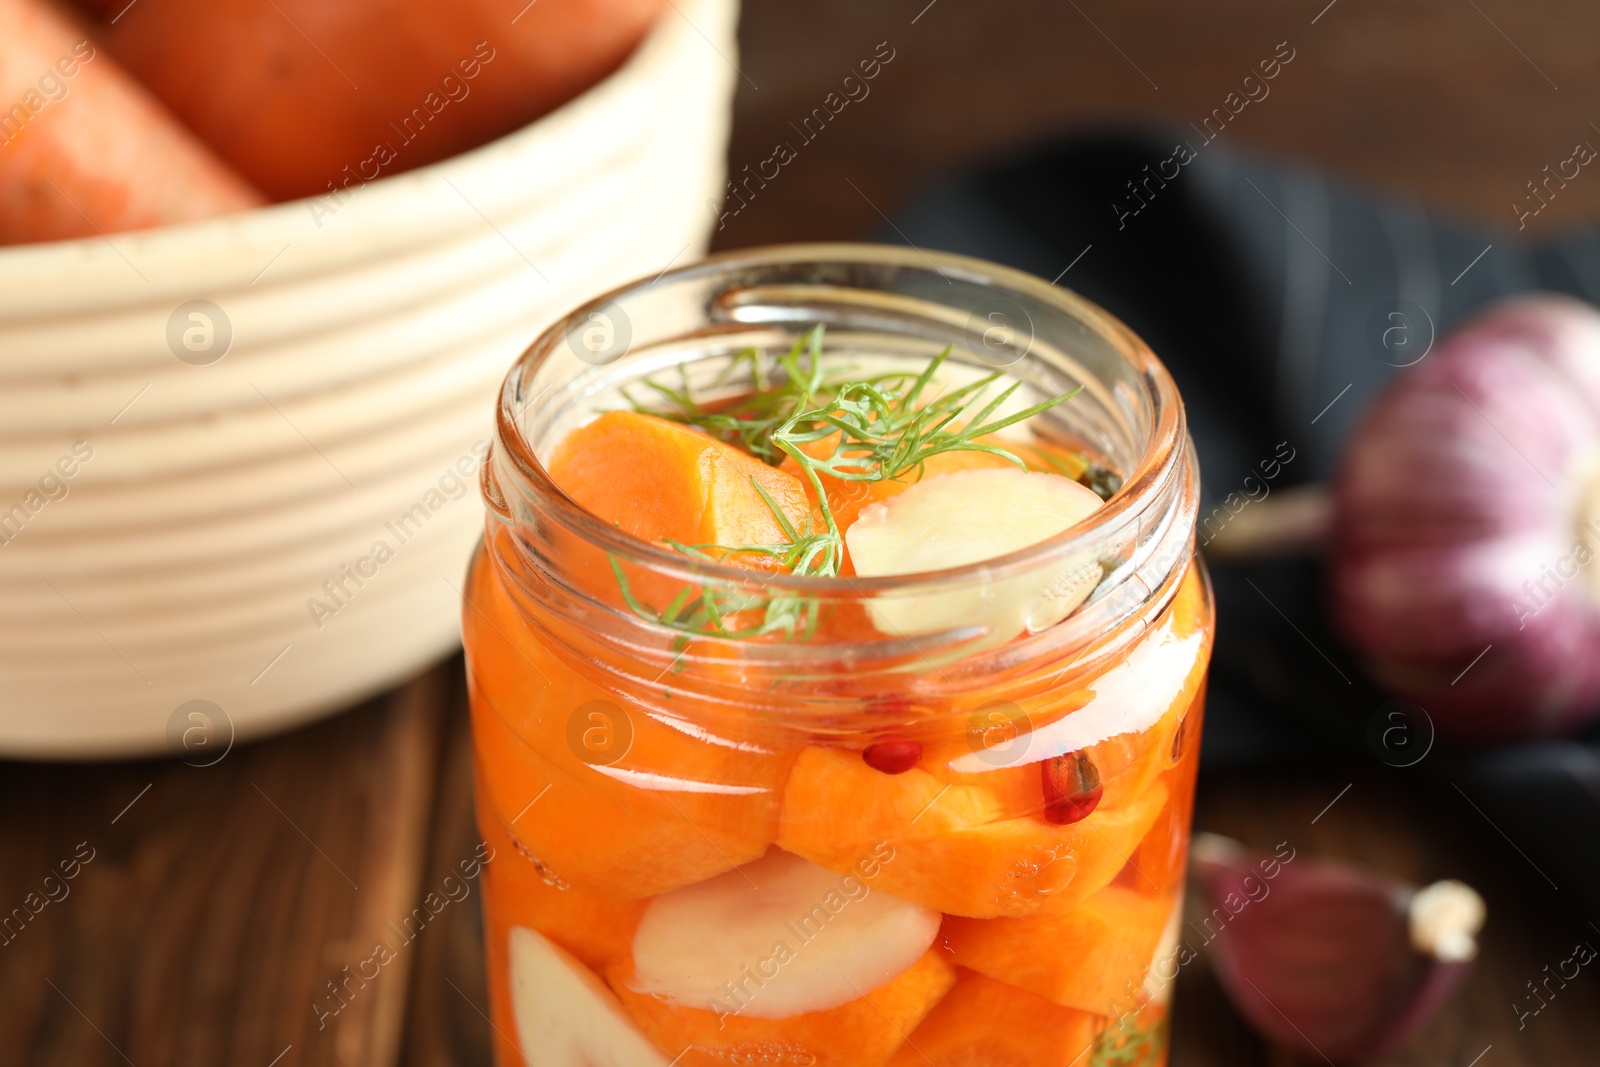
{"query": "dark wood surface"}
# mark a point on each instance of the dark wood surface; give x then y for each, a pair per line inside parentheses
(217, 902)
(221, 903)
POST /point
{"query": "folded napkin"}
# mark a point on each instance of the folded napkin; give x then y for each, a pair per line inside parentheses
(1283, 301)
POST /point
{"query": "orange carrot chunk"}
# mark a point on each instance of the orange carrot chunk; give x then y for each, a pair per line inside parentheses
(1092, 957)
(662, 481)
(676, 805)
(595, 929)
(985, 1023)
(955, 849)
(863, 1033)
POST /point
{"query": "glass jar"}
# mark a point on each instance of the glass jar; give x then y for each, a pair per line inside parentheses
(958, 838)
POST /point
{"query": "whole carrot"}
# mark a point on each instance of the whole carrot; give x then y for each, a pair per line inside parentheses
(84, 149)
(308, 96)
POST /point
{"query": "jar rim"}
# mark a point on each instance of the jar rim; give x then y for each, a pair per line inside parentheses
(1143, 488)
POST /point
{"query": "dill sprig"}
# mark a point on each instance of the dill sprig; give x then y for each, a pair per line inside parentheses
(881, 428)
(884, 432)
(707, 610)
(1129, 1042)
(795, 383)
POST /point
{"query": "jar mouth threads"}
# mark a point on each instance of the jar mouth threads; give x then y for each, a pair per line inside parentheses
(876, 302)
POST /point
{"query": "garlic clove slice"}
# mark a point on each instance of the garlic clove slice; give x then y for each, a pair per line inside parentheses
(565, 1016)
(1324, 958)
(965, 517)
(1162, 973)
(696, 942)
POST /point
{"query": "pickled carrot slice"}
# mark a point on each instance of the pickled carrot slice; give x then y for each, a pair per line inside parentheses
(985, 1023)
(863, 1033)
(1126, 720)
(659, 480)
(1092, 957)
(952, 848)
(597, 930)
(673, 811)
(614, 798)
(1164, 851)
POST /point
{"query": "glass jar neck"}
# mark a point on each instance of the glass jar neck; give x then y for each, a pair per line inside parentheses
(876, 303)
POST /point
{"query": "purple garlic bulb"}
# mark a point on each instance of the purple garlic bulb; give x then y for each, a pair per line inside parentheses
(1466, 542)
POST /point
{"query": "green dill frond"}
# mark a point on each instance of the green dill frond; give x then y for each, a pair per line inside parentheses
(881, 428)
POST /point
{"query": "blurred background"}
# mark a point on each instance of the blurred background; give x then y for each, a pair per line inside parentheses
(229, 884)
(1454, 104)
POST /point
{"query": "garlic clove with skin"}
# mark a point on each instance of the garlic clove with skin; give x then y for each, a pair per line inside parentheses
(1335, 962)
(1444, 919)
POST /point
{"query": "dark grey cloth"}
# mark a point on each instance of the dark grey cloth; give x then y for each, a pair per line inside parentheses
(1283, 302)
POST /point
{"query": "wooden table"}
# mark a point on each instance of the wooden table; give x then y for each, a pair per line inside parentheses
(214, 909)
(221, 901)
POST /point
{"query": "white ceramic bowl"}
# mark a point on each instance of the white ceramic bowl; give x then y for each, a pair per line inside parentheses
(368, 338)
